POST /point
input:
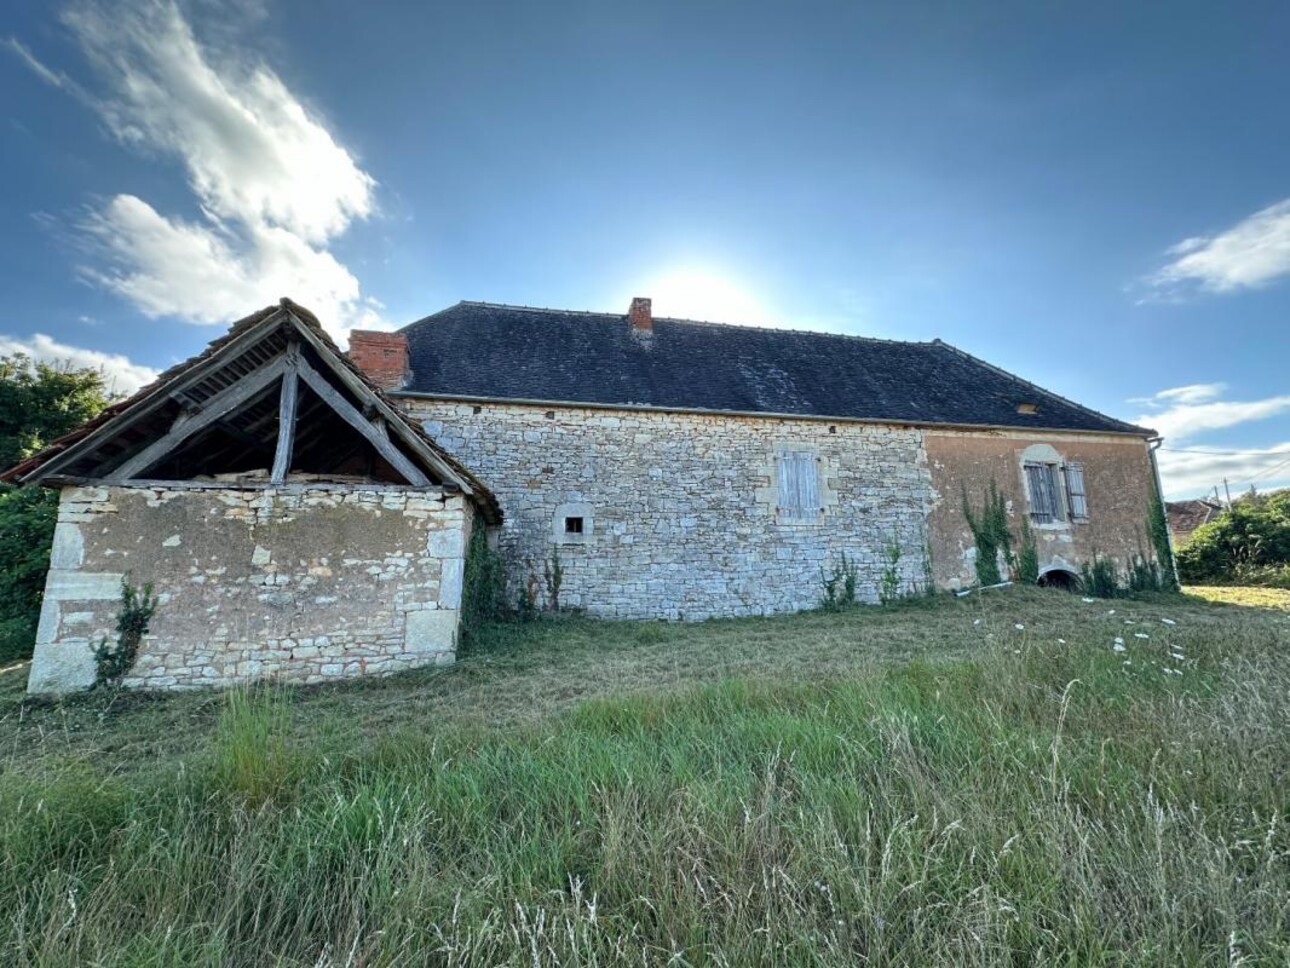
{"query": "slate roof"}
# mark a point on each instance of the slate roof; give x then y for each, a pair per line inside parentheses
(1186, 516)
(497, 352)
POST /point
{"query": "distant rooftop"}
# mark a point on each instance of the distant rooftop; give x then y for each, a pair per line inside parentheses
(491, 351)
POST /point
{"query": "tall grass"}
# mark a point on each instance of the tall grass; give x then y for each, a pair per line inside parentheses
(1041, 802)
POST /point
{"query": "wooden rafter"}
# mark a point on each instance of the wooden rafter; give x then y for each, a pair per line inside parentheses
(216, 409)
(375, 432)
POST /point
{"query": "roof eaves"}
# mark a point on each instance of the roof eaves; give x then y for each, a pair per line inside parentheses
(760, 414)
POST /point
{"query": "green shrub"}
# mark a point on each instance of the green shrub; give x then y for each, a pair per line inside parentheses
(1027, 555)
(1100, 578)
(1248, 542)
(889, 584)
(483, 584)
(839, 584)
(112, 663)
(27, 516)
(38, 403)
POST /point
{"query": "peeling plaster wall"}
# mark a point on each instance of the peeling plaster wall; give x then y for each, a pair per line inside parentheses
(1117, 477)
(679, 510)
(303, 582)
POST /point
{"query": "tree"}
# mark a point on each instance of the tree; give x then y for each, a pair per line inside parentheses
(1248, 543)
(39, 402)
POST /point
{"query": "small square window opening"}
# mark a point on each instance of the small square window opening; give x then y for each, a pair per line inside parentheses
(573, 525)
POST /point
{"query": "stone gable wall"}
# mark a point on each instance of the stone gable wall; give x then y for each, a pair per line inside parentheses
(302, 582)
(679, 510)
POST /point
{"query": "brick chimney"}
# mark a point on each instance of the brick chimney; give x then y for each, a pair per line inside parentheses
(641, 316)
(383, 357)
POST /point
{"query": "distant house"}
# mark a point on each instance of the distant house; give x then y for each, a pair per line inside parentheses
(1186, 516)
(307, 516)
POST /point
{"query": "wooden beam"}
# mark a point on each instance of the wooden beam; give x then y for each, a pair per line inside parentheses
(217, 408)
(392, 417)
(163, 395)
(349, 413)
(286, 416)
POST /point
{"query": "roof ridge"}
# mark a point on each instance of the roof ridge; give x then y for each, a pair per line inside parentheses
(1035, 386)
(679, 319)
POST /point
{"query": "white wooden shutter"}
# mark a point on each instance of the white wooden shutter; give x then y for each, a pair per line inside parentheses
(799, 485)
(787, 487)
(808, 485)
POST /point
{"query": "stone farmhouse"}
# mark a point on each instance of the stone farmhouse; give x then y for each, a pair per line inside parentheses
(306, 514)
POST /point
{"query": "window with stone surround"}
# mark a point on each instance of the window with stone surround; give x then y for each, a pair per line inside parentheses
(1056, 491)
(797, 476)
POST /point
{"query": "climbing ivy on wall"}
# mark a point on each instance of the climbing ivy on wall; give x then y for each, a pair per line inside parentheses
(1158, 532)
(990, 532)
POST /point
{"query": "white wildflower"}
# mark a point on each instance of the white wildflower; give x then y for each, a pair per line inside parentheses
(1168, 621)
(1088, 601)
(1141, 635)
(1019, 627)
(1118, 645)
(1110, 611)
(1061, 641)
(977, 622)
(1178, 655)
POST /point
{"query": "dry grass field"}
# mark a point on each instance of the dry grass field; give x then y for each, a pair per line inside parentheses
(1013, 777)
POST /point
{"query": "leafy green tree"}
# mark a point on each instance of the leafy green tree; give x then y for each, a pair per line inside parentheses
(39, 402)
(1248, 543)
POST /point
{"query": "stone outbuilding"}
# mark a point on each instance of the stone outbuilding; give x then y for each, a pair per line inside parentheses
(306, 515)
(291, 520)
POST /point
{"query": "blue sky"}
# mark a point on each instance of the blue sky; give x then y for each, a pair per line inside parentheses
(1095, 196)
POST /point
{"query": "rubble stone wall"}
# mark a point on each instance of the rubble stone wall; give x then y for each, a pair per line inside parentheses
(680, 512)
(300, 582)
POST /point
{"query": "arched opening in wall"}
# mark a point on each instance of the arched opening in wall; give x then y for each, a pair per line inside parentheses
(1067, 581)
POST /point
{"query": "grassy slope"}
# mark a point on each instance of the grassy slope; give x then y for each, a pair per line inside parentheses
(787, 791)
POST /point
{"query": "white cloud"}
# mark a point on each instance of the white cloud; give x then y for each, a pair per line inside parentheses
(201, 273)
(51, 77)
(120, 375)
(1252, 253)
(1187, 469)
(252, 151)
(1192, 393)
(273, 185)
(1191, 474)
(1183, 412)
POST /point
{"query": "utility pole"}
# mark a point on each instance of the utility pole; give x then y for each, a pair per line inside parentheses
(1229, 492)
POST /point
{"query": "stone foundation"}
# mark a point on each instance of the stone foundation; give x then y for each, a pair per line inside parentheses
(298, 582)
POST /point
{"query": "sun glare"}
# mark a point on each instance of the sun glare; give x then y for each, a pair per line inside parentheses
(694, 293)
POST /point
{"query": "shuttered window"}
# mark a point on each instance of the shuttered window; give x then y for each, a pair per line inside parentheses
(1075, 492)
(799, 485)
(1045, 505)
